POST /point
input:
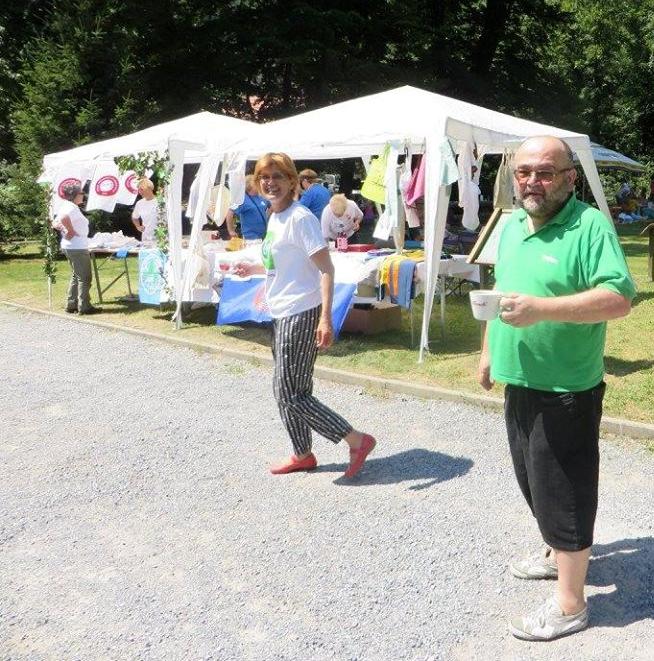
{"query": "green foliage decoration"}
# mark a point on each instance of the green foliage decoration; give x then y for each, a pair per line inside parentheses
(49, 238)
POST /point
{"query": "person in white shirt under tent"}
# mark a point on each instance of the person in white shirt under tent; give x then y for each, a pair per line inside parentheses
(145, 215)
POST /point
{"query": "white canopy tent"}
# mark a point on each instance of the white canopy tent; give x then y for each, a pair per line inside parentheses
(206, 130)
(193, 139)
(608, 159)
(424, 122)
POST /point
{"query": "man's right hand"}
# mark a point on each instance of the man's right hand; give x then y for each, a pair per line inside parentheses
(483, 375)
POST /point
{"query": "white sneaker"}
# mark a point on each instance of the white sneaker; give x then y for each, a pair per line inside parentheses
(548, 622)
(539, 567)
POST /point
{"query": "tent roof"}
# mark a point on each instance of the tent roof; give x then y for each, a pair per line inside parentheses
(206, 128)
(361, 126)
(609, 159)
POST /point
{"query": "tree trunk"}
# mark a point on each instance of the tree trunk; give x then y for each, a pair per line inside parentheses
(496, 17)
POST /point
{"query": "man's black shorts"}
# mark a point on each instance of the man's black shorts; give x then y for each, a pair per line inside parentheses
(554, 440)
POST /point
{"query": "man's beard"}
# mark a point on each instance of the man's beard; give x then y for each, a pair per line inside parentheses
(547, 206)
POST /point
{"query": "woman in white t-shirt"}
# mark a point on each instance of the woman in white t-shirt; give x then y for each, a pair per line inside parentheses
(145, 214)
(299, 292)
(340, 216)
(74, 228)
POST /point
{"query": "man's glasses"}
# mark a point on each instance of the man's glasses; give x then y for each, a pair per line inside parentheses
(546, 176)
(277, 176)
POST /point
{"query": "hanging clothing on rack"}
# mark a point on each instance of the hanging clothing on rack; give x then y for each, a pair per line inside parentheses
(468, 189)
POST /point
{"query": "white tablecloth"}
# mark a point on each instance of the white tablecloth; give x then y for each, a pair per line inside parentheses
(349, 267)
(356, 267)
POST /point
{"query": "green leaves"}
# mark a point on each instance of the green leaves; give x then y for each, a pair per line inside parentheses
(49, 238)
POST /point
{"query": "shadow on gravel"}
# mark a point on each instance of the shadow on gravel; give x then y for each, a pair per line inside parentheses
(416, 464)
(627, 564)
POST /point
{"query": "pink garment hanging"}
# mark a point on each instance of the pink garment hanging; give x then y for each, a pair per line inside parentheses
(416, 188)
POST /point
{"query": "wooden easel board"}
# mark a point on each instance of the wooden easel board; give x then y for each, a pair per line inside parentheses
(485, 249)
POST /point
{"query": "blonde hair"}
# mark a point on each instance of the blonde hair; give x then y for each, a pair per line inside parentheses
(146, 183)
(281, 162)
(338, 204)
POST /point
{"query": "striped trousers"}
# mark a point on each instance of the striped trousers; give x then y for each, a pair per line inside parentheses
(294, 352)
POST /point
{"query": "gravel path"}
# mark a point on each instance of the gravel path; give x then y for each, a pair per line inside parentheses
(138, 520)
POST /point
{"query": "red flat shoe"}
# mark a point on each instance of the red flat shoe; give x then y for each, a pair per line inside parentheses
(293, 464)
(358, 456)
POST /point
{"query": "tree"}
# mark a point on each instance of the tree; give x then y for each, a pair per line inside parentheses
(92, 69)
(607, 57)
(20, 22)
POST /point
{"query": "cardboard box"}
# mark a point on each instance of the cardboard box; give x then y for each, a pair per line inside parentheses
(364, 289)
(372, 319)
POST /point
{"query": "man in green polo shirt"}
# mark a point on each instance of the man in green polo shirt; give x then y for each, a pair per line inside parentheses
(564, 275)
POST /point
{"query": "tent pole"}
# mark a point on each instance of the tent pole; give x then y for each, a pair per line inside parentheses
(585, 157)
(176, 149)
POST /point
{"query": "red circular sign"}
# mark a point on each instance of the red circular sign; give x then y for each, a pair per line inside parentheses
(131, 183)
(107, 186)
(69, 181)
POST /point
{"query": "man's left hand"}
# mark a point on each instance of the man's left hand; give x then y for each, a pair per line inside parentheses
(520, 310)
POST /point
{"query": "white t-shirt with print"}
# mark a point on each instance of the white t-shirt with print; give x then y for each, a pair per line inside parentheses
(293, 280)
(80, 224)
(332, 225)
(148, 212)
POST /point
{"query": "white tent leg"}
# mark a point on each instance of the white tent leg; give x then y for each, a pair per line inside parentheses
(585, 157)
(176, 149)
(443, 282)
(206, 176)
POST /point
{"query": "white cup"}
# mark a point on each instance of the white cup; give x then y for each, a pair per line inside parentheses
(485, 303)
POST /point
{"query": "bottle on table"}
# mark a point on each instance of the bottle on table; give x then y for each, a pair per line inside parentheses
(341, 242)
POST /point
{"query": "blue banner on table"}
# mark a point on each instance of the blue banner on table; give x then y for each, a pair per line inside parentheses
(343, 298)
(152, 263)
(245, 300)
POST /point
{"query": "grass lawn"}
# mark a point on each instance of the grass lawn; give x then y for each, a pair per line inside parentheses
(451, 363)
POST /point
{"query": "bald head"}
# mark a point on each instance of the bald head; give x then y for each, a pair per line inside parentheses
(547, 146)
